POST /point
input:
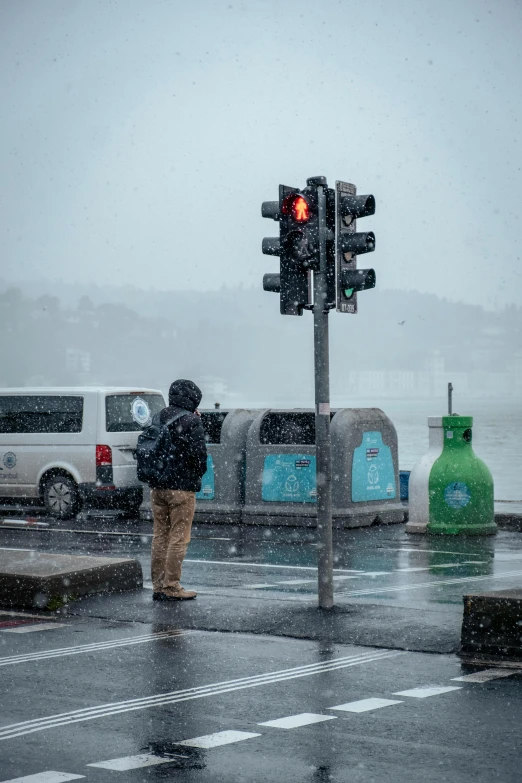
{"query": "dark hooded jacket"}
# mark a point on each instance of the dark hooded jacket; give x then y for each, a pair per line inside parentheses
(188, 437)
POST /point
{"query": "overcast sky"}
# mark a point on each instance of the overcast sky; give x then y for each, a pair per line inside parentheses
(139, 137)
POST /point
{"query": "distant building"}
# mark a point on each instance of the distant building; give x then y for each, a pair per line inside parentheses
(77, 361)
(433, 381)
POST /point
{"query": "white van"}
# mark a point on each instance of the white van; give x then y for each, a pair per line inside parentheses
(73, 446)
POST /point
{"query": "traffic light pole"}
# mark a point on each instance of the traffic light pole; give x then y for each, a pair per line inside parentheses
(318, 236)
(322, 415)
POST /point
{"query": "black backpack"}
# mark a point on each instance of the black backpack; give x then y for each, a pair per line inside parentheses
(155, 451)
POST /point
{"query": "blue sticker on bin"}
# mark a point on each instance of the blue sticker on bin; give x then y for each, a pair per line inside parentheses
(289, 478)
(457, 495)
(208, 486)
(373, 475)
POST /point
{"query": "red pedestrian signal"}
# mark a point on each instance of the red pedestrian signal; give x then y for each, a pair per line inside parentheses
(297, 207)
(300, 210)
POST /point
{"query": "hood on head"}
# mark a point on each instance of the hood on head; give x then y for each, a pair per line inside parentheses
(185, 394)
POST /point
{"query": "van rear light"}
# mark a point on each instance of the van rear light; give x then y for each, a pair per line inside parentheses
(103, 456)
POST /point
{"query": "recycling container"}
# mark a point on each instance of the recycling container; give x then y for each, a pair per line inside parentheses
(365, 487)
(280, 483)
(451, 489)
(222, 493)
(281, 469)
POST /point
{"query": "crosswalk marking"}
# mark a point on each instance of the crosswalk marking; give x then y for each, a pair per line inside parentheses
(134, 762)
(429, 690)
(365, 705)
(45, 777)
(219, 738)
(294, 721)
(486, 674)
(228, 737)
(103, 710)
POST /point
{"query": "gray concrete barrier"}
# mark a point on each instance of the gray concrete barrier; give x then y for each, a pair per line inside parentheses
(47, 581)
(492, 627)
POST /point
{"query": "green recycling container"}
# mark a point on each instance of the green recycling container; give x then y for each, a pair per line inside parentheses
(460, 485)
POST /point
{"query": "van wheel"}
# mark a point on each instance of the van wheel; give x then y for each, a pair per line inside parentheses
(61, 497)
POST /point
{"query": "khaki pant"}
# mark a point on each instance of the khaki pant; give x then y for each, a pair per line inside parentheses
(173, 512)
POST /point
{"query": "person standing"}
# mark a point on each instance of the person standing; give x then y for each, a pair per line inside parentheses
(174, 502)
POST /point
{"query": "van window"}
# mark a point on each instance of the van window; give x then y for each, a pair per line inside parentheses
(128, 412)
(41, 413)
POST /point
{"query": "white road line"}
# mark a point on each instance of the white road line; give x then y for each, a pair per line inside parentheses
(34, 627)
(430, 690)
(19, 522)
(215, 689)
(247, 564)
(259, 587)
(85, 648)
(294, 721)
(375, 573)
(219, 738)
(135, 762)
(487, 674)
(13, 549)
(295, 582)
(436, 551)
(365, 705)
(22, 615)
(211, 538)
(456, 581)
(45, 777)
(441, 565)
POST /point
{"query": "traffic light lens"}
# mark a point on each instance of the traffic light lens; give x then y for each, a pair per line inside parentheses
(348, 292)
(298, 207)
(300, 210)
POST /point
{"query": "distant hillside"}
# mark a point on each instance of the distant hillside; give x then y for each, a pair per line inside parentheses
(234, 340)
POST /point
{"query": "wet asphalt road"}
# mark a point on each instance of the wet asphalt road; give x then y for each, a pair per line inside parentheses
(380, 565)
(136, 683)
(198, 706)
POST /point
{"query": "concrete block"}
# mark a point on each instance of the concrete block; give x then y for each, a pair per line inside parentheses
(42, 580)
(492, 626)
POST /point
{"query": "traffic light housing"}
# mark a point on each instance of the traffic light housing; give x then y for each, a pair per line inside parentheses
(350, 244)
(297, 246)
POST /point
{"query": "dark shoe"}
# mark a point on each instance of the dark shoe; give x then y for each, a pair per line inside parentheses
(159, 597)
(181, 595)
